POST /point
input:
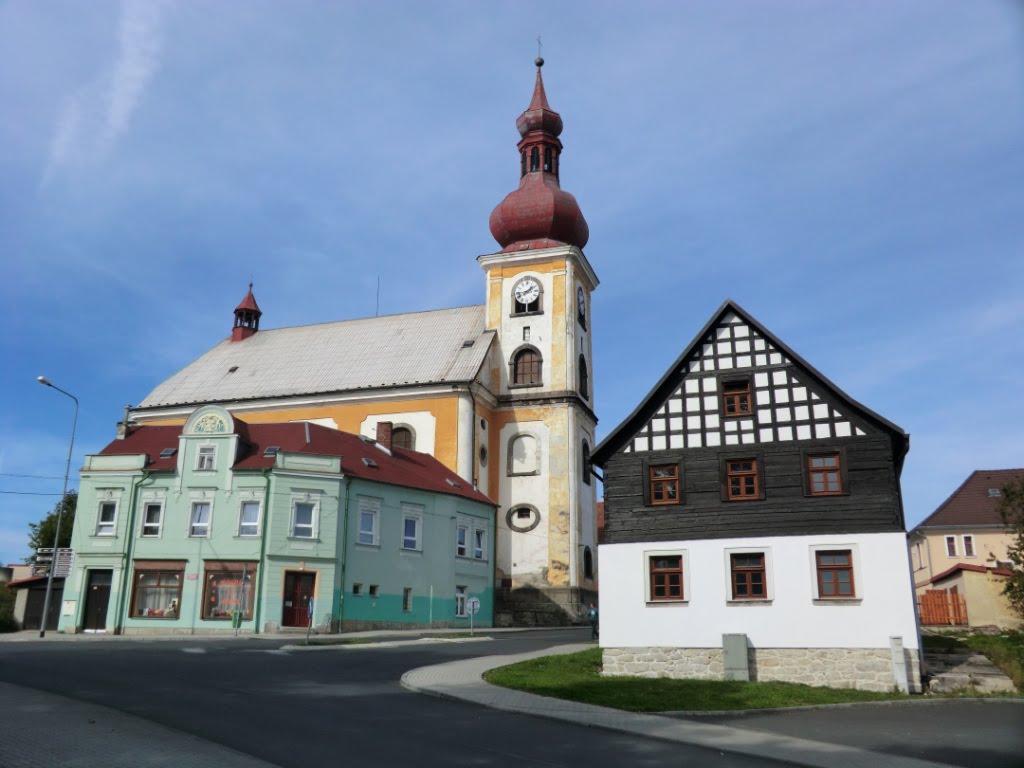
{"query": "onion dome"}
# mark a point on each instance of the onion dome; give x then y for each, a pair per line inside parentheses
(247, 317)
(539, 214)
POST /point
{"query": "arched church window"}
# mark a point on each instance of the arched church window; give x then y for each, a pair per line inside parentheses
(547, 159)
(535, 159)
(402, 437)
(588, 564)
(522, 163)
(527, 367)
(584, 380)
(523, 455)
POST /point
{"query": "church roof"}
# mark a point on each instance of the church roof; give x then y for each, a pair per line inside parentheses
(437, 347)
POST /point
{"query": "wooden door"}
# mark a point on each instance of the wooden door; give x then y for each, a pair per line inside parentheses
(298, 591)
(97, 598)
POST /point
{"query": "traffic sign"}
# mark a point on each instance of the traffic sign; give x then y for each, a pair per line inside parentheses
(473, 606)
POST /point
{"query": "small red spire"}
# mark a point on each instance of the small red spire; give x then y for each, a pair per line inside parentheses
(539, 214)
(247, 317)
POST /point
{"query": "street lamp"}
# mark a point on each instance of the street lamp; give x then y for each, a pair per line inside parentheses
(60, 507)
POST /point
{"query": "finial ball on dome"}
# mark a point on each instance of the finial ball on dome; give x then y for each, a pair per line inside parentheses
(539, 61)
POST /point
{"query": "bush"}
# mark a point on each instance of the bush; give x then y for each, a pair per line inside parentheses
(7, 622)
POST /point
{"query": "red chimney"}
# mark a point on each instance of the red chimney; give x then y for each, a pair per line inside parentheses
(384, 429)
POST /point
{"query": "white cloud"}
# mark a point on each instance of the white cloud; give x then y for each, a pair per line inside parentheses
(99, 113)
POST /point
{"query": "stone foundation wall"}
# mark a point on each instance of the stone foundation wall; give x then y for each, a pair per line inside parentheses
(866, 669)
(545, 607)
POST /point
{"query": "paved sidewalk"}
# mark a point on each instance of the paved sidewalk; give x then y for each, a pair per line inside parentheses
(41, 729)
(462, 680)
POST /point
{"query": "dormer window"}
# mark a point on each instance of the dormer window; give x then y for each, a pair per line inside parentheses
(206, 458)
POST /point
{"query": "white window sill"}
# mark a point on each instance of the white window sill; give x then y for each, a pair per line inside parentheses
(751, 602)
(682, 601)
(838, 600)
(367, 546)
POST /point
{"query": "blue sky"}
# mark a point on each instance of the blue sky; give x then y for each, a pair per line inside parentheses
(852, 173)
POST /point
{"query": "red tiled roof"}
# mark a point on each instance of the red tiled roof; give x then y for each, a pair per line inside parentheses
(403, 467)
(970, 504)
(969, 567)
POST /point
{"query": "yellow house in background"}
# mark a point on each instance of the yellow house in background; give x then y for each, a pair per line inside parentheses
(959, 556)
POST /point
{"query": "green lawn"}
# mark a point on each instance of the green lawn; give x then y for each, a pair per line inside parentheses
(1006, 651)
(577, 677)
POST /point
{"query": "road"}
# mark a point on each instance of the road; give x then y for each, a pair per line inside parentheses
(329, 707)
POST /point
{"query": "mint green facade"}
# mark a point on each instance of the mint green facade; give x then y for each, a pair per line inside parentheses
(267, 534)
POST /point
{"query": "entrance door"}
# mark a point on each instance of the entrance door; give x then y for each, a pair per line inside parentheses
(97, 598)
(298, 591)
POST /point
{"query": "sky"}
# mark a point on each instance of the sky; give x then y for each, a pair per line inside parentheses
(850, 172)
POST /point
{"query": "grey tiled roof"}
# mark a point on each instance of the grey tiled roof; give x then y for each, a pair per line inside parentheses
(395, 350)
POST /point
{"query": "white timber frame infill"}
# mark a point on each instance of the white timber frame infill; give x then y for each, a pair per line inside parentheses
(784, 404)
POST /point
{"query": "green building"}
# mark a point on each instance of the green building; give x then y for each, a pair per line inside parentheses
(220, 523)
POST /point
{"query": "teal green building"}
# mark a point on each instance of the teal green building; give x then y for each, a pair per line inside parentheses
(218, 525)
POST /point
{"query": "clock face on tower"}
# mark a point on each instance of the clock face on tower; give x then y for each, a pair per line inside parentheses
(581, 306)
(527, 291)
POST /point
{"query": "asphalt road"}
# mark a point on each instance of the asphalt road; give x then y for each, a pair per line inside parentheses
(339, 706)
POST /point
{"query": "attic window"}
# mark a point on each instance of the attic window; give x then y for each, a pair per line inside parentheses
(994, 493)
(468, 343)
(232, 369)
(271, 451)
(452, 483)
(166, 453)
(369, 462)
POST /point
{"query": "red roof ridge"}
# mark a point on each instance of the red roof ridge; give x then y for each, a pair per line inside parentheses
(998, 571)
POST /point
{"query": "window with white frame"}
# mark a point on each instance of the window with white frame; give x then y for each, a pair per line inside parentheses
(407, 599)
(835, 572)
(152, 519)
(968, 545)
(750, 574)
(462, 540)
(951, 546)
(303, 520)
(412, 526)
(479, 544)
(206, 457)
(667, 576)
(106, 518)
(199, 520)
(369, 521)
(249, 519)
(460, 601)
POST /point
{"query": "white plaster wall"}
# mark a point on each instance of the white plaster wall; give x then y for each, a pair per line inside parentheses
(792, 620)
(586, 517)
(511, 333)
(424, 424)
(522, 555)
(466, 445)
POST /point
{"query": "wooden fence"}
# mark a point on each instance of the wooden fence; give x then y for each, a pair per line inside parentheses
(942, 607)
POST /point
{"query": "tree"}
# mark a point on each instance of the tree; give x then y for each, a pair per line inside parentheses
(1011, 509)
(41, 534)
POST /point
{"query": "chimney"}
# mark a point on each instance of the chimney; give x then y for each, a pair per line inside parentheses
(124, 427)
(384, 434)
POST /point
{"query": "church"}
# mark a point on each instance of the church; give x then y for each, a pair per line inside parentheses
(501, 393)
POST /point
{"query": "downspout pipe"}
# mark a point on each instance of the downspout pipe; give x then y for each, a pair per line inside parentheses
(347, 481)
(262, 575)
(133, 497)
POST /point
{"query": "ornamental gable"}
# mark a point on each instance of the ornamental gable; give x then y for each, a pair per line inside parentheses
(738, 387)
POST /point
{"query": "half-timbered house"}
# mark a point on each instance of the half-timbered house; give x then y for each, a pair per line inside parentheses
(754, 524)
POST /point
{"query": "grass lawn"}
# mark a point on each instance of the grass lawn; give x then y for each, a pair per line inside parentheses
(1006, 651)
(577, 677)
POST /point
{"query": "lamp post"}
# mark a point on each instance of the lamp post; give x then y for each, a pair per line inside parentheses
(60, 507)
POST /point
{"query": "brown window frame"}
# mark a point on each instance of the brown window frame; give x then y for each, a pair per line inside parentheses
(399, 439)
(520, 375)
(658, 578)
(732, 392)
(747, 572)
(663, 483)
(137, 573)
(968, 541)
(951, 540)
(813, 471)
(834, 569)
(730, 473)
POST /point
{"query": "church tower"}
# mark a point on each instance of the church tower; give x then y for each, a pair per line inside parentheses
(542, 419)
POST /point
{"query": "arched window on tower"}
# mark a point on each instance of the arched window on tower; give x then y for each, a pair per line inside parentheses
(535, 159)
(588, 564)
(584, 379)
(585, 461)
(547, 159)
(522, 163)
(527, 367)
(402, 437)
